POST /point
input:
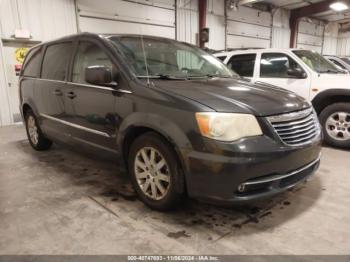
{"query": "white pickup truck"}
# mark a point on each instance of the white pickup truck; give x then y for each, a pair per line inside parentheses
(306, 73)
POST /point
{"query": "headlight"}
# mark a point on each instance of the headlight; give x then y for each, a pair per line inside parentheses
(227, 126)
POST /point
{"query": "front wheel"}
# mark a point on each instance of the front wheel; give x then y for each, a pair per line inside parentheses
(155, 172)
(335, 121)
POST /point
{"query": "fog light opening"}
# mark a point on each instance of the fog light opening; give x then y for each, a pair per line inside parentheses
(241, 188)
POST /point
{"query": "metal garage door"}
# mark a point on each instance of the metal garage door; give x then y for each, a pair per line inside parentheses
(310, 36)
(248, 27)
(155, 17)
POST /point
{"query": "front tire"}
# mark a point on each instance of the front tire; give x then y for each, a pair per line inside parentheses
(35, 136)
(335, 121)
(155, 172)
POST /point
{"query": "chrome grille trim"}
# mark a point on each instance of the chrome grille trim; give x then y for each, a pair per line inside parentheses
(297, 128)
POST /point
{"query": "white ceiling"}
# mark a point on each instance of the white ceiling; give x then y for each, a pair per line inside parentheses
(328, 16)
(291, 4)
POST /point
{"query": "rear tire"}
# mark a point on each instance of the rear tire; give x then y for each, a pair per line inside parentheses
(155, 172)
(335, 121)
(35, 136)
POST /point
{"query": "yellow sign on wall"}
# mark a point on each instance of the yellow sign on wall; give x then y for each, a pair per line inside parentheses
(20, 54)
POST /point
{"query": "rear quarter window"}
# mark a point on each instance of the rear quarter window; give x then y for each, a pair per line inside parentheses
(243, 64)
(33, 61)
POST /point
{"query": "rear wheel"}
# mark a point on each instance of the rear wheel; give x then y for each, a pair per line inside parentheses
(335, 121)
(35, 136)
(155, 172)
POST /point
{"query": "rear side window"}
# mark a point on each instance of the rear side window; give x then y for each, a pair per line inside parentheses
(33, 62)
(55, 61)
(243, 64)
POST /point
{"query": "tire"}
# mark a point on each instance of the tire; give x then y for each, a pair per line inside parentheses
(149, 180)
(35, 136)
(335, 122)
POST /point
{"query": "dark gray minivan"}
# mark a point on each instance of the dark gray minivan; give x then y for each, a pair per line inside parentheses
(183, 123)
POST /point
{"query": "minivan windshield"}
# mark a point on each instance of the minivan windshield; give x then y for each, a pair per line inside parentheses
(316, 62)
(168, 59)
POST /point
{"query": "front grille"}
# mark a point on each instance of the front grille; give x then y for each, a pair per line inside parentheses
(296, 128)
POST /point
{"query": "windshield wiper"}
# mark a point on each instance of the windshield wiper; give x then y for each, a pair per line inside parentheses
(209, 76)
(162, 76)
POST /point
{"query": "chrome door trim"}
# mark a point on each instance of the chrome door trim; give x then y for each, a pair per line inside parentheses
(76, 126)
(92, 86)
(52, 80)
(124, 91)
(101, 87)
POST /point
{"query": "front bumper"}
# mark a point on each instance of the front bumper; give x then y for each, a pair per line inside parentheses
(248, 170)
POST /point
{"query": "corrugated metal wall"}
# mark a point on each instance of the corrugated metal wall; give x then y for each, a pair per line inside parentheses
(280, 30)
(187, 22)
(46, 20)
(343, 45)
(330, 39)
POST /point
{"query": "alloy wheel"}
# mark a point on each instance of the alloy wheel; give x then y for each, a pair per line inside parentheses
(152, 173)
(32, 130)
(338, 126)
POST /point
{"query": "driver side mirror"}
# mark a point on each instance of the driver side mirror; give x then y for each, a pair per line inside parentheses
(297, 73)
(100, 75)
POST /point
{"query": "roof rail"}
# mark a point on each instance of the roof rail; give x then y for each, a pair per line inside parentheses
(239, 49)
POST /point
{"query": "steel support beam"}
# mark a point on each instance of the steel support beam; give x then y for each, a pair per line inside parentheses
(306, 11)
(202, 9)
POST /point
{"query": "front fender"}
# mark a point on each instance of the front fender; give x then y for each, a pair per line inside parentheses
(160, 124)
(320, 100)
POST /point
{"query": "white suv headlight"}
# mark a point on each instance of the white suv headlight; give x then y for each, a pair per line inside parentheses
(227, 126)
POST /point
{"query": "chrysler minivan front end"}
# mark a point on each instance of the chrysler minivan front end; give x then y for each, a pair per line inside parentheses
(182, 122)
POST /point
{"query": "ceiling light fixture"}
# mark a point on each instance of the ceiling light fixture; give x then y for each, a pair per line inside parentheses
(339, 6)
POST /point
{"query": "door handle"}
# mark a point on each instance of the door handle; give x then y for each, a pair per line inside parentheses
(71, 95)
(57, 92)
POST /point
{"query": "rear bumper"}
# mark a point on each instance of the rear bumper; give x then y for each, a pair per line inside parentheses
(260, 169)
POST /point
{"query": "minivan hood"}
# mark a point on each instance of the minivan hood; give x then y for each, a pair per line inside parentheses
(236, 95)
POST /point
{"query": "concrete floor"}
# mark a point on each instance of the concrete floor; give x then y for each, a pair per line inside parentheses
(63, 202)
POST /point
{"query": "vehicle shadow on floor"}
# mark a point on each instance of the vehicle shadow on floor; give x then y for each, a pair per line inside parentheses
(107, 185)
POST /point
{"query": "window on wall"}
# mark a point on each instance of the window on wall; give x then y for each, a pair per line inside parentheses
(55, 61)
(243, 64)
(33, 62)
(276, 65)
(89, 54)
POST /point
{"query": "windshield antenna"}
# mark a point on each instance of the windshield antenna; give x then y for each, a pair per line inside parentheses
(145, 58)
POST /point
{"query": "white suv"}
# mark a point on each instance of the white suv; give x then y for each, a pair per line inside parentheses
(306, 73)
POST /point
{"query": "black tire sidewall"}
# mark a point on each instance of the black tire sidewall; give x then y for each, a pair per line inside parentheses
(173, 197)
(329, 110)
